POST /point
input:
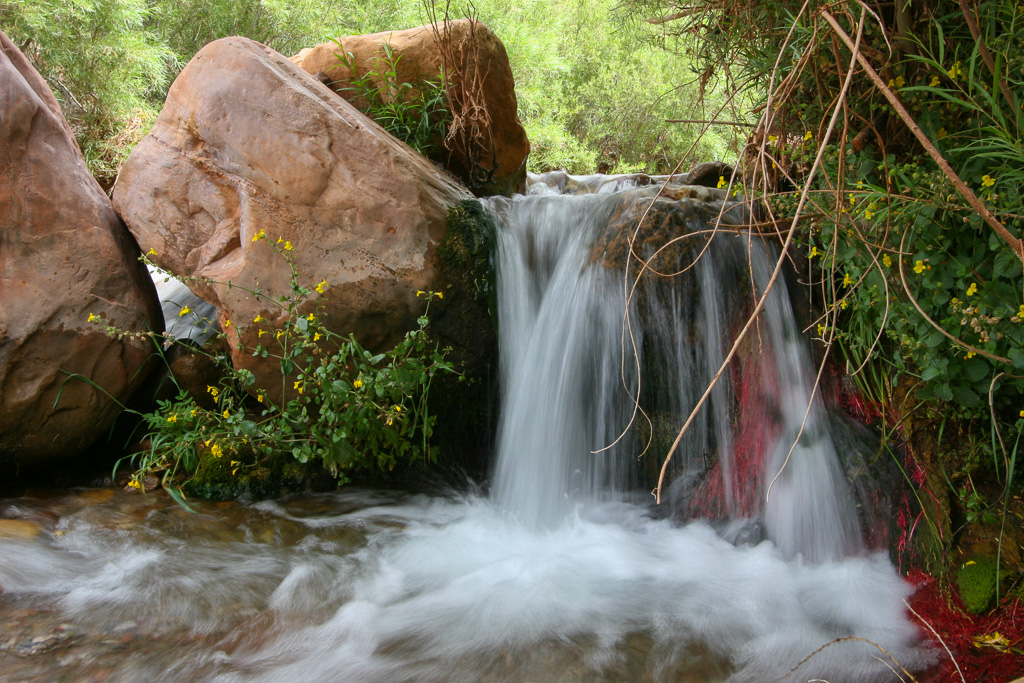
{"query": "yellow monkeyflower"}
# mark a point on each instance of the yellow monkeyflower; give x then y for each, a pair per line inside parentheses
(721, 182)
(919, 266)
(316, 336)
(216, 451)
(955, 71)
(419, 293)
(321, 286)
(259, 319)
(184, 311)
(278, 334)
(260, 397)
(93, 316)
(808, 136)
(261, 235)
(869, 214)
(358, 383)
(398, 409)
(847, 280)
(886, 260)
(212, 390)
(821, 330)
(172, 418)
(227, 413)
(228, 323)
(194, 411)
(970, 354)
(440, 295)
(134, 483)
(772, 138)
(151, 252)
(1022, 413)
(1020, 312)
(260, 333)
(814, 252)
(934, 82)
(236, 465)
(310, 317)
(852, 199)
(842, 304)
(972, 289)
(298, 386)
(987, 181)
(287, 246)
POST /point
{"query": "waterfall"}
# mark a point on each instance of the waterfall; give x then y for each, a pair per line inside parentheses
(570, 357)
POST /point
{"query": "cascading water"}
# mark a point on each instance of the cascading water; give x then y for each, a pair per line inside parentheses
(564, 573)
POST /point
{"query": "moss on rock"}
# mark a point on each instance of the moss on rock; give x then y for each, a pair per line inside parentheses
(976, 580)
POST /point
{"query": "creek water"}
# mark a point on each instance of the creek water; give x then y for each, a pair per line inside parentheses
(564, 571)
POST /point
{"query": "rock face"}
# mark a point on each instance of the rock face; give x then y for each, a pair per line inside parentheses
(490, 154)
(64, 255)
(249, 144)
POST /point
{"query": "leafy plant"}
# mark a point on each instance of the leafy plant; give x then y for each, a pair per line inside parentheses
(343, 406)
(416, 114)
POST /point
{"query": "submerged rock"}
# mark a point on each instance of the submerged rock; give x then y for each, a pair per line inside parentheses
(64, 255)
(490, 155)
(249, 145)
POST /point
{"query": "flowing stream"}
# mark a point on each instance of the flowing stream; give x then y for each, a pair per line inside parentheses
(565, 571)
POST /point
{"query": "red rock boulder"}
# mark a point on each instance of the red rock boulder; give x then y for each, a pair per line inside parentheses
(490, 147)
(64, 255)
(248, 144)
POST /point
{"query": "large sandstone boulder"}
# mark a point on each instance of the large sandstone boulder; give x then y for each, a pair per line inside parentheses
(249, 144)
(489, 155)
(64, 255)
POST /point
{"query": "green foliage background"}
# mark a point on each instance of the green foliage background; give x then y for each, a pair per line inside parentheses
(594, 89)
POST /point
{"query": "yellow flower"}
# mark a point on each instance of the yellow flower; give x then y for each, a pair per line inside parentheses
(772, 138)
(278, 334)
(398, 409)
(310, 317)
(194, 411)
(970, 354)
(808, 136)
(847, 280)
(184, 311)
(216, 451)
(260, 333)
(419, 293)
(919, 267)
(721, 182)
(1022, 413)
(821, 330)
(228, 323)
(900, 82)
(358, 383)
(851, 198)
(262, 234)
(172, 418)
(280, 239)
(212, 390)
(886, 260)
(298, 386)
(134, 483)
(236, 465)
(316, 336)
(987, 181)
(151, 252)
(287, 246)
(869, 214)
(842, 304)
(1020, 312)
(93, 316)
(941, 133)
(227, 413)
(934, 82)
(440, 295)
(321, 286)
(259, 397)
(814, 252)
(259, 319)
(972, 289)
(955, 71)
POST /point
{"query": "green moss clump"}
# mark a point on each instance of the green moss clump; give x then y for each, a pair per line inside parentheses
(976, 580)
(465, 251)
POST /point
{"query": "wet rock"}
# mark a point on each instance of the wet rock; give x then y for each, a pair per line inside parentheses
(248, 142)
(493, 161)
(64, 255)
(19, 528)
